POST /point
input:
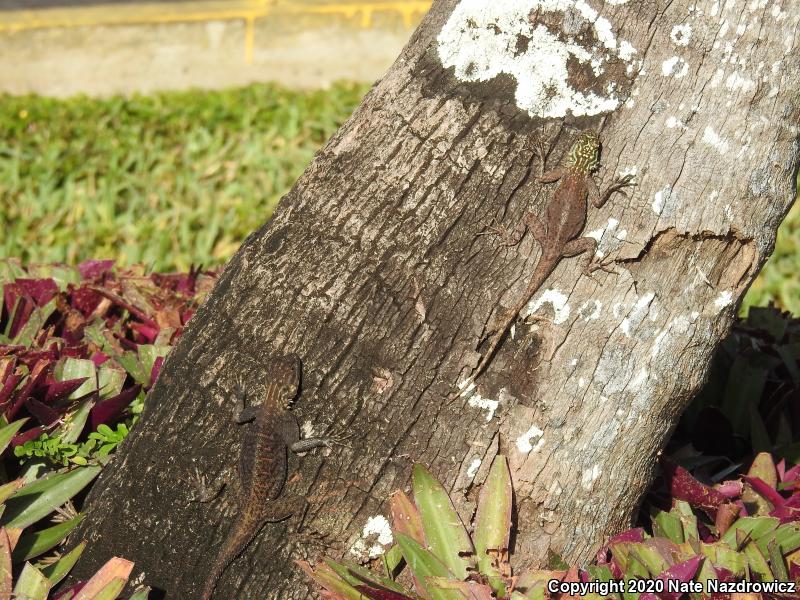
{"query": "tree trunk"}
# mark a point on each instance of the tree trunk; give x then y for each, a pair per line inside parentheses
(372, 271)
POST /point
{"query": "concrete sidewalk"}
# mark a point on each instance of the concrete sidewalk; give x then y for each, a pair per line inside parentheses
(125, 47)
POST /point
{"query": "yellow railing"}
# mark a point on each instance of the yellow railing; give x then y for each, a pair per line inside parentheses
(247, 11)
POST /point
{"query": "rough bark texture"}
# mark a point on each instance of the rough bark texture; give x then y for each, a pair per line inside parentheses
(372, 272)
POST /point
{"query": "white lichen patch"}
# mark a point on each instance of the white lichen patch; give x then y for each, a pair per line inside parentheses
(490, 406)
(632, 171)
(724, 299)
(674, 67)
(713, 139)
(640, 378)
(590, 310)
(661, 198)
(608, 237)
(482, 40)
(375, 538)
(558, 300)
(674, 122)
(681, 34)
(590, 476)
(473, 467)
(676, 329)
(637, 313)
(525, 441)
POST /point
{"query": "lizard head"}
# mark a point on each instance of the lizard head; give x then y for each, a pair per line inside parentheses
(285, 372)
(584, 155)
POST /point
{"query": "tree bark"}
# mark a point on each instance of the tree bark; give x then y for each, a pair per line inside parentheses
(372, 271)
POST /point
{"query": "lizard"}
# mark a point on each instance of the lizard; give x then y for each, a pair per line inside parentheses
(559, 234)
(271, 432)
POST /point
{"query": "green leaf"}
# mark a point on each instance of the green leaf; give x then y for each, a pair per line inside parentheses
(59, 569)
(38, 499)
(722, 555)
(537, 591)
(34, 325)
(757, 562)
(354, 575)
(111, 378)
(668, 525)
(38, 542)
(76, 368)
(130, 361)
(31, 584)
(7, 432)
(688, 520)
(788, 537)
(393, 561)
(749, 527)
(423, 564)
(111, 590)
(649, 556)
(444, 532)
(777, 564)
(141, 594)
(6, 571)
(73, 425)
(493, 522)
(148, 353)
(325, 576)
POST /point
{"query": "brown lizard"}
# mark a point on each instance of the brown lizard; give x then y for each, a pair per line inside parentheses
(559, 233)
(272, 431)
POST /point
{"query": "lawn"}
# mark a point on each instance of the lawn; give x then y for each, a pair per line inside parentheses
(176, 179)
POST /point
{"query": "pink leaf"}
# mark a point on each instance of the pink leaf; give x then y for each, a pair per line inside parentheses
(111, 410)
(98, 358)
(25, 436)
(682, 572)
(730, 489)
(380, 594)
(95, 269)
(156, 370)
(632, 535)
(58, 390)
(41, 412)
(685, 487)
(765, 491)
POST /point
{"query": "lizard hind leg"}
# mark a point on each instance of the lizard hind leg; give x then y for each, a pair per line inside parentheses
(588, 248)
(289, 506)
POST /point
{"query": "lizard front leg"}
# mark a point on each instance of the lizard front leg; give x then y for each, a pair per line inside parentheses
(599, 198)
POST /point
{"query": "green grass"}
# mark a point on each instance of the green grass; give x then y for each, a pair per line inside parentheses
(176, 179)
(779, 281)
(165, 180)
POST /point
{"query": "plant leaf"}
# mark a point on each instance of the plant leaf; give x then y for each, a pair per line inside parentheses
(31, 584)
(8, 432)
(59, 569)
(424, 564)
(105, 581)
(493, 523)
(405, 517)
(6, 581)
(444, 532)
(38, 499)
(324, 576)
(38, 542)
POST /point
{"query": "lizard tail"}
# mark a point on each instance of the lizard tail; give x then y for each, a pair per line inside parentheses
(544, 268)
(237, 541)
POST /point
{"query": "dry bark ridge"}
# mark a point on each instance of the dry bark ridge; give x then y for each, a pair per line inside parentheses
(372, 272)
